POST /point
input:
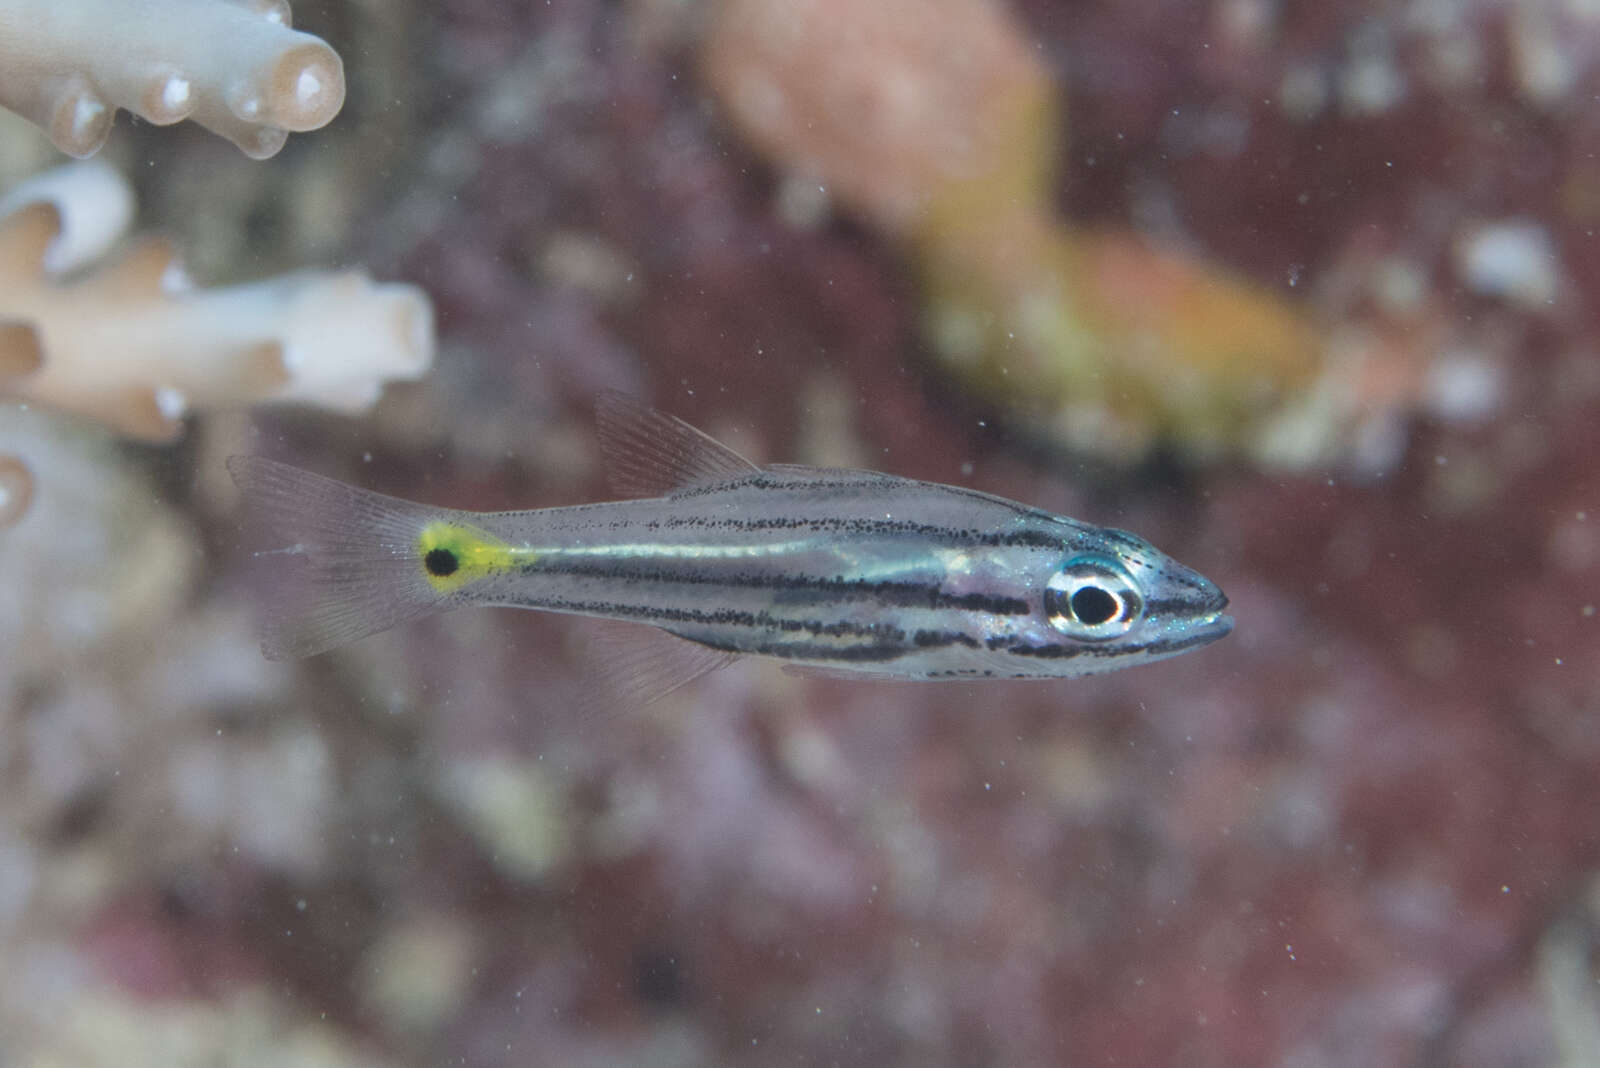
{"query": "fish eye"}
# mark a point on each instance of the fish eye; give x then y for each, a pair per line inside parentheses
(1092, 598)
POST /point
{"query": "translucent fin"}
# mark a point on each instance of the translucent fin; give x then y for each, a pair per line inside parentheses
(351, 568)
(644, 664)
(650, 454)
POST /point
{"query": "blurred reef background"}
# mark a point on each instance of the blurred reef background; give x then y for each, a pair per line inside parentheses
(1306, 294)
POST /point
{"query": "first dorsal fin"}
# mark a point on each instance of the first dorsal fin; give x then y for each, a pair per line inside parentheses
(651, 454)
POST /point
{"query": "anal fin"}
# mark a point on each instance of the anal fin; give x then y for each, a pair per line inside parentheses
(643, 664)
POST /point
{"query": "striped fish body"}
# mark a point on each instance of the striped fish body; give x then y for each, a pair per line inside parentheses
(846, 571)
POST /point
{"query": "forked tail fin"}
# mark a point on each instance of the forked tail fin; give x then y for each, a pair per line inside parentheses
(353, 564)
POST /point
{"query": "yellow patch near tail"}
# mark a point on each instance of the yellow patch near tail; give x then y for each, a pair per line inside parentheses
(453, 555)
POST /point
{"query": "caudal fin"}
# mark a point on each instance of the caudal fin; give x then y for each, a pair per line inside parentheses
(351, 567)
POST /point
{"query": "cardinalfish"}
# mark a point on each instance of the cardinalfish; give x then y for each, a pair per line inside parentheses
(829, 570)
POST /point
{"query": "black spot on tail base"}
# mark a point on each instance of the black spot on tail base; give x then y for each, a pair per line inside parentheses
(440, 562)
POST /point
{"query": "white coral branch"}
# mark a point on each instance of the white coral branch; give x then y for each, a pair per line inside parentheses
(133, 345)
(233, 66)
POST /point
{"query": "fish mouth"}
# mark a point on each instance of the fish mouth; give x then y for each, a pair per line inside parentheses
(1216, 616)
(1214, 626)
(1209, 621)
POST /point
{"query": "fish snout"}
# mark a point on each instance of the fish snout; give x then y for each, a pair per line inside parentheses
(1191, 602)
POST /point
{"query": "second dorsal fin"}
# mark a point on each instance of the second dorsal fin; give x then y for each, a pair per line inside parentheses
(651, 454)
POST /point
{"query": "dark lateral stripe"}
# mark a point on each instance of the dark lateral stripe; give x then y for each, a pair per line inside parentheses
(844, 481)
(1047, 652)
(940, 639)
(1109, 649)
(1171, 606)
(818, 653)
(834, 480)
(931, 533)
(1201, 638)
(723, 617)
(899, 594)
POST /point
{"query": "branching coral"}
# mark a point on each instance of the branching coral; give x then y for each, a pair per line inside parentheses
(132, 345)
(233, 66)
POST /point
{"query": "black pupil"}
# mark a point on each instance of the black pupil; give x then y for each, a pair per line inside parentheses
(440, 562)
(1094, 606)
